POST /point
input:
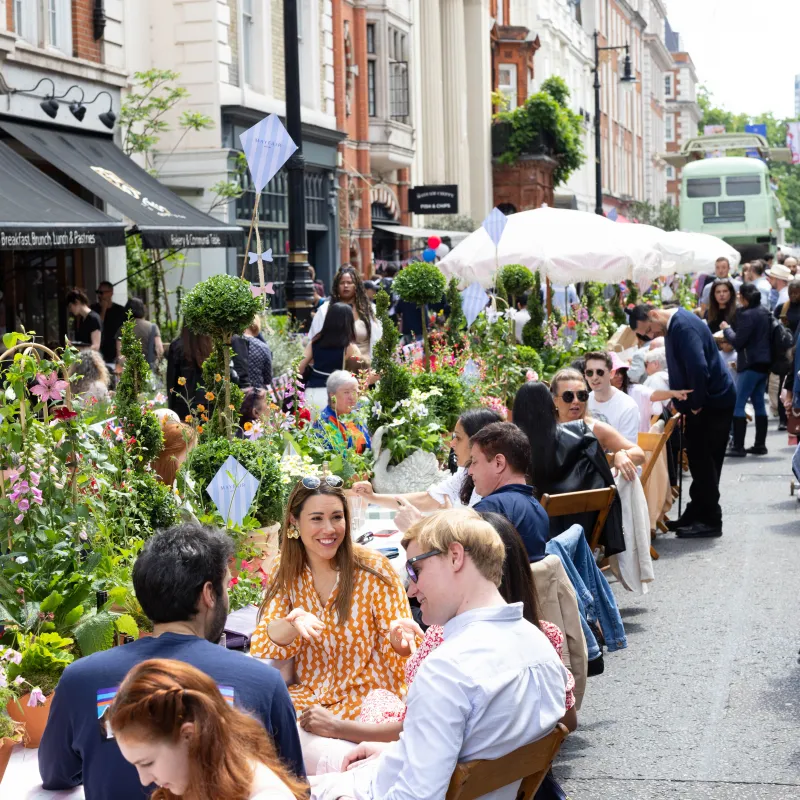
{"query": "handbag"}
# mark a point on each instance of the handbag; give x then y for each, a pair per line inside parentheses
(792, 424)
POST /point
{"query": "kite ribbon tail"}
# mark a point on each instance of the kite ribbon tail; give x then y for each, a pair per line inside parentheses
(253, 224)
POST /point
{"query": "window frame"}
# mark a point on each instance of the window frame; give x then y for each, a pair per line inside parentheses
(669, 78)
(753, 180)
(399, 83)
(670, 134)
(692, 182)
(509, 91)
(248, 23)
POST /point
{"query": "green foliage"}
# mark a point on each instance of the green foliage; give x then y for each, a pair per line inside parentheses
(283, 337)
(97, 630)
(153, 505)
(44, 658)
(256, 457)
(420, 283)
(143, 426)
(533, 330)
(395, 382)
(220, 306)
(545, 119)
(516, 280)
(666, 216)
(456, 323)
(530, 359)
(447, 406)
(246, 590)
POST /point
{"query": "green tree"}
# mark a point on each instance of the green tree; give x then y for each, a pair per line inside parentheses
(421, 284)
(456, 323)
(533, 331)
(666, 216)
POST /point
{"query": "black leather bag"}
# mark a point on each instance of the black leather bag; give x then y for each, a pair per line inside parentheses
(581, 466)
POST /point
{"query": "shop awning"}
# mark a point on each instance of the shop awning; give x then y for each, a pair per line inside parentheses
(38, 213)
(162, 218)
(422, 233)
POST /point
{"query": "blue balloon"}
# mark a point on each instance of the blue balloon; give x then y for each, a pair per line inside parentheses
(429, 254)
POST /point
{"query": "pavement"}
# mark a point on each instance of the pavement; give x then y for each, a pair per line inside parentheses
(704, 704)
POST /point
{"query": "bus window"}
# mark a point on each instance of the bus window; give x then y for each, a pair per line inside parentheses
(732, 210)
(742, 185)
(703, 187)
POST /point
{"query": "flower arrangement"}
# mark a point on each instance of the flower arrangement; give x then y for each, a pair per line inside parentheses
(413, 426)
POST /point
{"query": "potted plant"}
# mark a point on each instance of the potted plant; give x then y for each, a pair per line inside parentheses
(11, 731)
(406, 448)
(421, 284)
(221, 306)
(34, 668)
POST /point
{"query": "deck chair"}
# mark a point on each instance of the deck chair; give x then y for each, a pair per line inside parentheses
(473, 779)
(600, 500)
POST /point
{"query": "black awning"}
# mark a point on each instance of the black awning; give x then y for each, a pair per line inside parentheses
(36, 213)
(95, 162)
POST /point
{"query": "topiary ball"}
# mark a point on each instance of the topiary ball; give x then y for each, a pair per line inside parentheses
(220, 306)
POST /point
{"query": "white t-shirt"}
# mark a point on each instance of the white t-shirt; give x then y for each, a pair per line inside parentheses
(620, 412)
(451, 487)
(658, 380)
(268, 786)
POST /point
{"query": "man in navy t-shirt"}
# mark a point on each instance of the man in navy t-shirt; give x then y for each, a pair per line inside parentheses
(500, 455)
(181, 581)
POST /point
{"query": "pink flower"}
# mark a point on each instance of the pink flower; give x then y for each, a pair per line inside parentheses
(531, 375)
(19, 680)
(35, 478)
(19, 519)
(13, 656)
(49, 387)
(23, 505)
(36, 698)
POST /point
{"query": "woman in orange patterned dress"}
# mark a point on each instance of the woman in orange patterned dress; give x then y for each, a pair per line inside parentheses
(329, 605)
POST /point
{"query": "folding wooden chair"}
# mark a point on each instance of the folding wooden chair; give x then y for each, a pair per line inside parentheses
(654, 443)
(474, 779)
(600, 500)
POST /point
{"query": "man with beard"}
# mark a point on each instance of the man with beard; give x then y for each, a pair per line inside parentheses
(181, 581)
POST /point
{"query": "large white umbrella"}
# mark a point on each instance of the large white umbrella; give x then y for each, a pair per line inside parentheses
(564, 245)
(699, 252)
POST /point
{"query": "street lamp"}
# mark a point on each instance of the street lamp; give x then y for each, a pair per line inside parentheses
(299, 288)
(627, 80)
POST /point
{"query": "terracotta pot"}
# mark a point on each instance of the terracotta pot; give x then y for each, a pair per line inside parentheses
(34, 719)
(265, 540)
(5, 754)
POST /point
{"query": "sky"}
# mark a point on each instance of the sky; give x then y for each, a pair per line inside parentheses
(745, 51)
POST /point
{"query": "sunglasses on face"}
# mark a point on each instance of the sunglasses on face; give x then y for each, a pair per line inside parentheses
(591, 372)
(412, 572)
(313, 482)
(568, 396)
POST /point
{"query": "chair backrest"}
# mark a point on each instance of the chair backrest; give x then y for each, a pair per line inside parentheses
(600, 500)
(654, 443)
(530, 763)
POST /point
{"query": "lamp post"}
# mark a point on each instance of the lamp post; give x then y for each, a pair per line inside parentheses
(299, 289)
(627, 80)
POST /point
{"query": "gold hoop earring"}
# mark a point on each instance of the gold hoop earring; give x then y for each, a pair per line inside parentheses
(293, 532)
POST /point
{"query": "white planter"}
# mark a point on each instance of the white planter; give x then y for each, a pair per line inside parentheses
(415, 474)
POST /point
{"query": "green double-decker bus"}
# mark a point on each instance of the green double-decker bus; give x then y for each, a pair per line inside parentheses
(731, 197)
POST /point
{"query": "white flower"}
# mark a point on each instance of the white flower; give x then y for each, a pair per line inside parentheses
(21, 559)
(399, 421)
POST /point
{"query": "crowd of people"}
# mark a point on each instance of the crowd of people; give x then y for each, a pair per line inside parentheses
(363, 682)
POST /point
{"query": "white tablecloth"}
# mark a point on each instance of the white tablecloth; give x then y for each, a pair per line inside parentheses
(22, 781)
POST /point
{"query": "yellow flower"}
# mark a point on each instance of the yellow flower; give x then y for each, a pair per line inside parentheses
(248, 426)
(218, 378)
(201, 407)
(199, 428)
(187, 418)
(210, 396)
(181, 381)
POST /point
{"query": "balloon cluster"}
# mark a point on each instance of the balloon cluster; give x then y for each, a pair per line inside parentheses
(436, 247)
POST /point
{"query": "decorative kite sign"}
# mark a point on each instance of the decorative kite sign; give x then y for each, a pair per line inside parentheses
(267, 147)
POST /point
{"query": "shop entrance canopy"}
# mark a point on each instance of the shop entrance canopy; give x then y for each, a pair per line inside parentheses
(36, 213)
(162, 218)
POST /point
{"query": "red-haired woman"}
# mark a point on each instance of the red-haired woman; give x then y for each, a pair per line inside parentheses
(173, 724)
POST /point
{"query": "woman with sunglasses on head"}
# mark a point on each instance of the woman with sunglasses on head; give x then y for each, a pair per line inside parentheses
(383, 712)
(329, 605)
(458, 489)
(172, 723)
(349, 288)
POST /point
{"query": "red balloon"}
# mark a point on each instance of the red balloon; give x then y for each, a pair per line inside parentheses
(434, 242)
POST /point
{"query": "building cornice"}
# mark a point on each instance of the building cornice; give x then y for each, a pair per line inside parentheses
(635, 17)
(658, 49)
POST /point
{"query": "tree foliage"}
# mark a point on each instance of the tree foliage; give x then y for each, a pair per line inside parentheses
(422, 284)
(516, 280)
(546, 118)
(533, 331)
(665, 216)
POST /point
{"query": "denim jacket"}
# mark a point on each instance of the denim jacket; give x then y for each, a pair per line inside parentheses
(595, 598)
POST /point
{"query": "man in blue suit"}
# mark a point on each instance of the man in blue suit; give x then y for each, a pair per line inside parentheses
(694, 362)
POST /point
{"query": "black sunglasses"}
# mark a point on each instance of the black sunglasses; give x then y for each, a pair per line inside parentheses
(591, 372)
(313, 482)
(412, 573)
(568, 396)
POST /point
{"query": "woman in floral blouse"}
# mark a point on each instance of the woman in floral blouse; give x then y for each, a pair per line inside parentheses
(329, 605)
